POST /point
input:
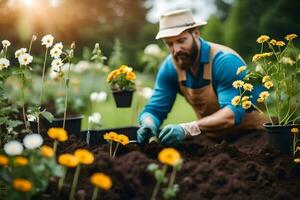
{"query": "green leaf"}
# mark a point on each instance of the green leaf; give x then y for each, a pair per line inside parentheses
(47, 115)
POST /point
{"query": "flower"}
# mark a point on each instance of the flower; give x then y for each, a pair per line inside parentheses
(248, 87)
(238, 84)
(98, 97)
(32, 141)
(84, 156)
(25, 59)
(236, 100)
(47, 151)
(295, 130)
(297, 160)
(290, 37)
(241, 69)
(13, 148)
(5, 43)
(273, 42)
(58, 46)
(169, 156)
(265, 79)
(20, 160)
(245, 98)
(22, 185)
(101, 180)
(56, 64)
(152, 50)
(111, 136)
(47, 40)
(55, 52)
(20, 52)
(3, 160)
(246, 104)
(262, 39)
(68, 160)
(95, 118)
(268, 84)
(123, 139)
(4, 63)
(59, 134)
(122, 79)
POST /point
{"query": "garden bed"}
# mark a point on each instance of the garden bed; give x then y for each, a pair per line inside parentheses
(242, 169)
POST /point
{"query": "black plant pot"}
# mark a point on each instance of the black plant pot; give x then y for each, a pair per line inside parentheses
(280, 136)
(72, 126)
(123, 99)
(94, 137)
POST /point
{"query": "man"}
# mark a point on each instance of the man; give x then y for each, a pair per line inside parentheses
(203, 73)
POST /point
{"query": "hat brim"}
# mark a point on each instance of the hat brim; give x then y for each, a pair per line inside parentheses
(176, 31)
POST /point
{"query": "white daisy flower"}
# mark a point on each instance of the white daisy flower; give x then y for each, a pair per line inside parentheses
(25, 59)
(20, 52)
(32, 141)
(152, 50)
(98, 97)
(93, 96)
(56, 65)
(13, 148)
(55, 52)
(5, 43)
(4, 63)
(59, 46)
(47, 40)
(95, 118)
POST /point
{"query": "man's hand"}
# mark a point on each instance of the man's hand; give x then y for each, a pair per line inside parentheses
(145, 132)
(171, 135)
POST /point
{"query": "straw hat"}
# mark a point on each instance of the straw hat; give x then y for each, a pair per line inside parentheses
(175, 22)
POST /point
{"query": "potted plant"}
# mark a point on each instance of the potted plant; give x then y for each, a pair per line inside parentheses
(278, 73)
(122, 84)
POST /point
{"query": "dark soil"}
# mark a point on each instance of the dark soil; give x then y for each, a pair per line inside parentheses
(242, 169)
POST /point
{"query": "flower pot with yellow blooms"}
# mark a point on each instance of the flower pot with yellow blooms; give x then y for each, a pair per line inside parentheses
(122, 84)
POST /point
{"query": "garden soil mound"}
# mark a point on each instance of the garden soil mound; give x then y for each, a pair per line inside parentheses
(245, 168)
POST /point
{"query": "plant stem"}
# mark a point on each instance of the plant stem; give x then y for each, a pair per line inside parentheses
(172, 177)
(23, 98)
(294, 143)
(95, 193)
(116, 150)
(157, 185)
(43, 76)
(55, 146)
(66, 99)
(110, 148)
(74, 184)
(62, 180)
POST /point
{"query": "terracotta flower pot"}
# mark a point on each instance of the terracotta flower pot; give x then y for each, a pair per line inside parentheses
(280, 136)
(123, 98)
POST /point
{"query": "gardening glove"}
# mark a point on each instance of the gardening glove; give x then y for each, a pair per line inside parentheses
(174, 134)
(145, 132)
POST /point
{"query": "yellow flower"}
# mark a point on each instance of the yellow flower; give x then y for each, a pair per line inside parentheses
(265, 79)
(130, 76)
(240, 69)
(295, 130)
(291, 37)
(267, 54)
(84, 156)
(101, 180)
(22, 185)
(268, 84)
(280, 43)
(273, 42)
(262, 39)
(59, 134)
(297, 160)
(248, 87)
(68, 160)
(21, 161)
(236, 100)
(3, 160)
(246, 104)
(169, 156)
(264, 94)
(113, 136)
(111, 75)
(123, 139)
(245, 98)
(287, 60)
(47, 151)
(125, 69)
(237, 84)
(260, 100)
(256, 57)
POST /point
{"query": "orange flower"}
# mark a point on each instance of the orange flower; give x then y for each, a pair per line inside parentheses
(22, 185)
(68, 160)
(20, 160)
(169, 156)
(84, 156)
(113, 136)
(3, 160)
(59, 134)
(101, 180)
(47, 151)
(123, 139)
(130, 76)
(280, 43)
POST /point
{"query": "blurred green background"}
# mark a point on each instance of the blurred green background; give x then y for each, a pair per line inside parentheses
(122, 29)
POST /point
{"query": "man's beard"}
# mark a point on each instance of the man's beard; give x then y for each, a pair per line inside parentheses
(186, 60)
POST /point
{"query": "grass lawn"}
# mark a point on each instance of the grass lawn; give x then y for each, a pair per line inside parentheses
(113, 117)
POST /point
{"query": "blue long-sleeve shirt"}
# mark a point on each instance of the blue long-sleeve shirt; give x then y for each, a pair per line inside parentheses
(224, 68)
